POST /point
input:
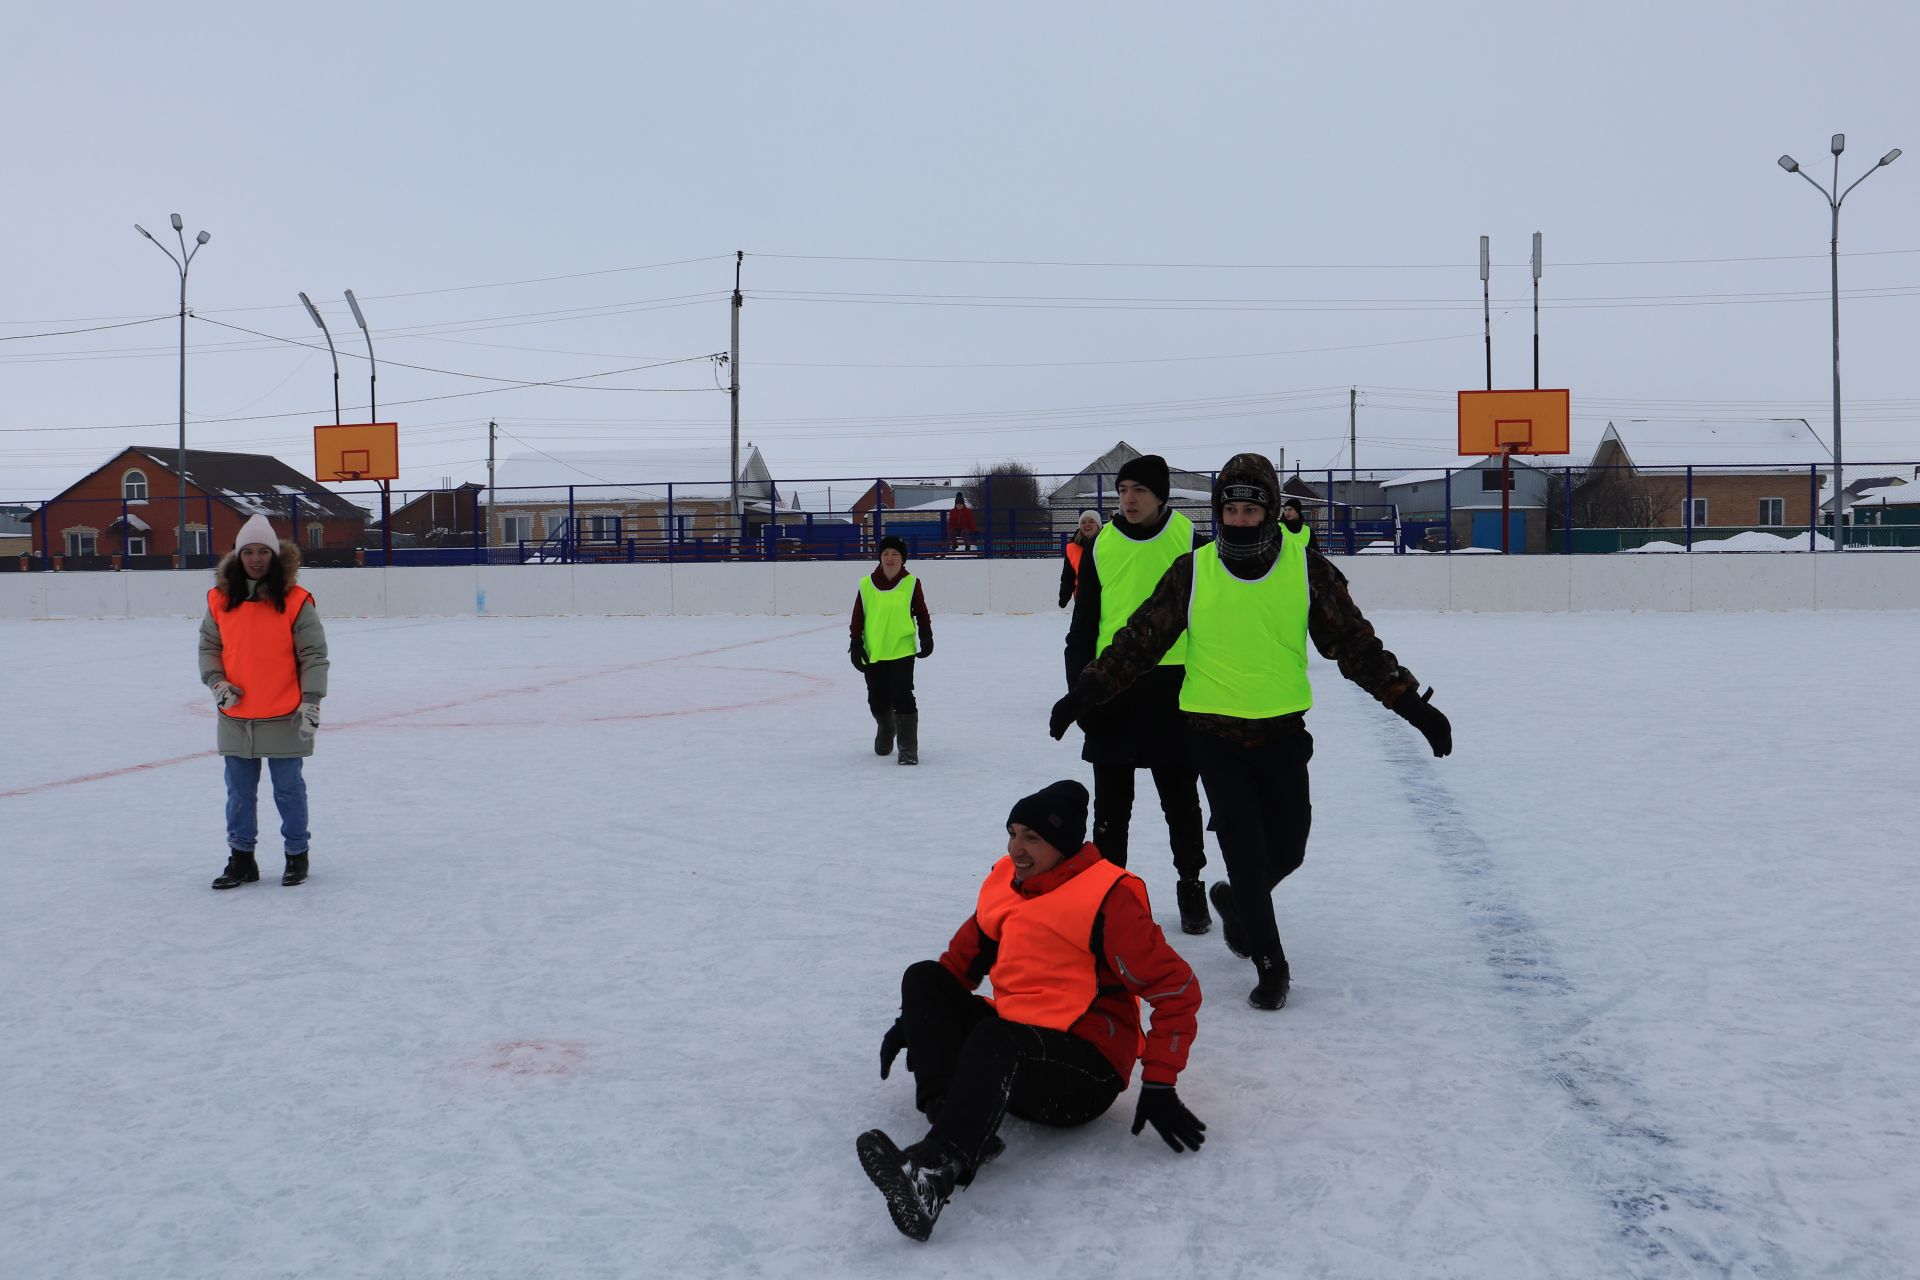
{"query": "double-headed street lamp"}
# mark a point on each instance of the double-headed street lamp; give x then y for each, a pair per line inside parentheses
(181, 264)
(1833, 202)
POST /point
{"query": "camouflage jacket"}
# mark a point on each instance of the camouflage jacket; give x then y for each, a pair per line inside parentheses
(1335, 624)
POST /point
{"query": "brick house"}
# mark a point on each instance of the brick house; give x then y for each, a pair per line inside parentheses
(1722, 476)
(439, 517)
(130, 507)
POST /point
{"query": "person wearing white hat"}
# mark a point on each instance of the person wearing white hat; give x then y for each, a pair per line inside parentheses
(263, 653)
(1083, 535)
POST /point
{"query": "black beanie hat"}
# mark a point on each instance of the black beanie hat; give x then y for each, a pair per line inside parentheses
(1149, 469)
(893, 542)
(1057, 812)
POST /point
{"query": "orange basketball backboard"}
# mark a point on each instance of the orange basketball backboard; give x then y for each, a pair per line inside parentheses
(356, 451)
(1497, 422)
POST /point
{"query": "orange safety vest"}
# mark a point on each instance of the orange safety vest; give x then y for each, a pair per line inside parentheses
(1045, 973)
(256, 652)
(1073, 555)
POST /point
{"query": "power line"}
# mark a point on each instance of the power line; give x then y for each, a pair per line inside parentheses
(61, 333)
(1310, 266)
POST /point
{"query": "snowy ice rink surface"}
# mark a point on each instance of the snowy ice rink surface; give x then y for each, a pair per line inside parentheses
(607, 917)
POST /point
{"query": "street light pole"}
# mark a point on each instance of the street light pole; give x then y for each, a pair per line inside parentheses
(315, 313)
(373, 415)
(181, 264)
(1834, 202)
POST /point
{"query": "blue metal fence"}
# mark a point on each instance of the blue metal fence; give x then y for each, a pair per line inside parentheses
(1564, 510)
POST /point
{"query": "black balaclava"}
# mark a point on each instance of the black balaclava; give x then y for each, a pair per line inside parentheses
(1247, 477)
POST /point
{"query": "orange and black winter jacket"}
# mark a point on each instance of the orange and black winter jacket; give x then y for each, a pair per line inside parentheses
(1132, 962)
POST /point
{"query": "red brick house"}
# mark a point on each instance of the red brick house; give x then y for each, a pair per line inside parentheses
(130, 507)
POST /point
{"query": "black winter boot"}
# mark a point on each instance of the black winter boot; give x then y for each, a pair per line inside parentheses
(909, 723)
(1275, 979)
(1191, 892)
(883, 733)
(296, 870)
(915, 1192)
(241, 869)
(1222, 895)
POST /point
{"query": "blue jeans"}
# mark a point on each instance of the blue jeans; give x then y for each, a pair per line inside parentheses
(243, 801)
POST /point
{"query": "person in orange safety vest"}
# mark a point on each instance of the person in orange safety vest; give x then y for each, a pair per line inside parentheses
(263, 654)
(1070, 945)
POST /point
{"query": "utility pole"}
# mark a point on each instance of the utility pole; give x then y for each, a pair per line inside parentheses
(1486, 304)
(733, 389)
(492, 428)
(1353, 442)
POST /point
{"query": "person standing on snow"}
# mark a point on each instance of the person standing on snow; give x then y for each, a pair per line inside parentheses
(1247, 605)
(1076, 548)
(1069, 942)
(1140, 728)
(263, 653)
(886, 612)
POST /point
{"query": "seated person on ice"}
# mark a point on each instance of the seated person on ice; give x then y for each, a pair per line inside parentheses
(1069, 941)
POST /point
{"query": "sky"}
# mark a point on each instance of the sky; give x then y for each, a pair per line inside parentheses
(971, 234)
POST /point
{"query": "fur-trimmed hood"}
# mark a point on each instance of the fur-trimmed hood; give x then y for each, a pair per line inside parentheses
(229, 576)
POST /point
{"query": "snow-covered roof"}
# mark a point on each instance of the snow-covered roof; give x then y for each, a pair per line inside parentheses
(1889, 495)
(1748, 443)
(628, 475)
(1457, 464)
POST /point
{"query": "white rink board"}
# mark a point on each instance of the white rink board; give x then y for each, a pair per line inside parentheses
(1735, 583)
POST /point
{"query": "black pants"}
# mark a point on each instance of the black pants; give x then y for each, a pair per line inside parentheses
(1179, 789)
(890, 687)
(1261, 816)
(970, 1066)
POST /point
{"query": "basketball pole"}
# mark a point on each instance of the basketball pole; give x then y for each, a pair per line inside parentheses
(733, 391)
(373, 415)
(1536, 311)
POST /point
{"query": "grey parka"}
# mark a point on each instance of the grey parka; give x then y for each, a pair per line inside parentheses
(255, 739)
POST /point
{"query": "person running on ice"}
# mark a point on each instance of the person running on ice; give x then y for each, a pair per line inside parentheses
(1247, 605)
(1076, 548)
(1069, 942)
(1140, 728)
(263, 653)
(886, 611)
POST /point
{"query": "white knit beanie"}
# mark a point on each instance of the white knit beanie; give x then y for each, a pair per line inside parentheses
(257, 529)
(1094, 514)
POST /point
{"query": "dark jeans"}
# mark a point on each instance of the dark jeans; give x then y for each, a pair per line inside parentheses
(890, 687)
(243, 801)
(1179, 789)
(970, 1066)
(1261, 816)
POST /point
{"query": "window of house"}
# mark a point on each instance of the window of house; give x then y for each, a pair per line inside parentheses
(136, 546)
(516, 528)
(1697, 512)
(1490, 480)
(197, 540)
(1773, 511)
(80, 542)
(133, 486)
(603, 528)
(316, 535)
(555, 521)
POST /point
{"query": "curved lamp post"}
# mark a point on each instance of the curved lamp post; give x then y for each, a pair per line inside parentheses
(181, 264)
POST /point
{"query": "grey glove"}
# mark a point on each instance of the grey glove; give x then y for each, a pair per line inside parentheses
(307, 721)
(226, 695)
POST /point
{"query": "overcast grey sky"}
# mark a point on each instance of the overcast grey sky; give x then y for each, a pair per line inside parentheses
(1331, 166)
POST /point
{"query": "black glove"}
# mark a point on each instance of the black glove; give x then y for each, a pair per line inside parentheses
(890, 1046)
(1417, 711)
(926, 642)
(1065, 712)
(1161, 1107)
(858, 652)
